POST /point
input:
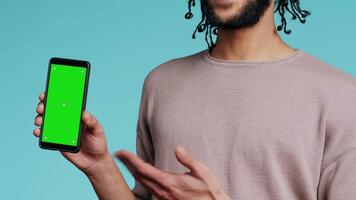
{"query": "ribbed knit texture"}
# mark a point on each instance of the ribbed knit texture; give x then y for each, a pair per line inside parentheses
(275, 130)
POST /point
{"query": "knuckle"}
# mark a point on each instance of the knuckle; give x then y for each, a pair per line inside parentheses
(90, 121)
(140, 170)
(180, 181)
(93, 120)
(36, 119)
(36, 132)
(39, 107)
(169, 182)
(163, 195)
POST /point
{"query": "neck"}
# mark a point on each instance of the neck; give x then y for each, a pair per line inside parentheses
(258, 43)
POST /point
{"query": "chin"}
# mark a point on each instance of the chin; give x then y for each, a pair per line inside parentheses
(225, 16)
(226, 9)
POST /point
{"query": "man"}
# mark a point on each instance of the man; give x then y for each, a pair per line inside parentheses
(248, 118)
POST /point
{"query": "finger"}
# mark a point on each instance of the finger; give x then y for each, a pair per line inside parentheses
(41, 96)
(85, 116)
(37, 132)
(188, 161)
(39, 108)
(141, 168)
(154, 188)
(92, 124)
(38, 120)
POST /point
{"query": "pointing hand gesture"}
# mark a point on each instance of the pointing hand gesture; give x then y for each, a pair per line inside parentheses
(196, 184)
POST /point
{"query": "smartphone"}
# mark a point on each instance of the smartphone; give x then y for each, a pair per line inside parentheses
(65, 99)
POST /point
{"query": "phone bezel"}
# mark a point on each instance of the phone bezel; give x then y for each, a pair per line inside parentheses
(74, 63)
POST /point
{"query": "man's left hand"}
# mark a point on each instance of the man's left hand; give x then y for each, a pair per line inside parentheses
(198, 183)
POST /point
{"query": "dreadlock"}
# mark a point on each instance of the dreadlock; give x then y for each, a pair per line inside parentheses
(281, 6)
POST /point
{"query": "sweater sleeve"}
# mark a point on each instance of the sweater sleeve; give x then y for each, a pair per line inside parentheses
(338, 171)
(144, 146)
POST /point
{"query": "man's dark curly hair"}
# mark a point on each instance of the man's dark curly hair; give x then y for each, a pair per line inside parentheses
(281, 6)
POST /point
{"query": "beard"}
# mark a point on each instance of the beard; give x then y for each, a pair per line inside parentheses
(248, 16)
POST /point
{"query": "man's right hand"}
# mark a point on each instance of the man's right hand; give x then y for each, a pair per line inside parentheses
(93, 149)
(94, 158)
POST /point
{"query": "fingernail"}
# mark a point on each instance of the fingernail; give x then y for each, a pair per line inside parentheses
(181, 149)
(118, 153)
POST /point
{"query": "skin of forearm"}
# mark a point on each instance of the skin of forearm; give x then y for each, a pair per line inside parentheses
(108, 182)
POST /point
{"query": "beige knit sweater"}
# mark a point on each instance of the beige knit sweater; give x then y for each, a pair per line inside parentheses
(275, 130)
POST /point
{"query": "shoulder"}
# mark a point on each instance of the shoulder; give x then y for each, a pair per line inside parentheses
(171, 68)
(338, 89)
(326, 72)
(328, 79)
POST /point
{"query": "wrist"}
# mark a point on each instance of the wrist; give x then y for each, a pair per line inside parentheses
(101, 167)
(107, 180)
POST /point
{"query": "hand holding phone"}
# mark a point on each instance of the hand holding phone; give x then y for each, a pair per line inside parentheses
(84, 128)
(93, 145)
(65, 99)
(93, 158)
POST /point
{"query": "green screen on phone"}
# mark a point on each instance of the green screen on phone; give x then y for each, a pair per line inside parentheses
(62, 117)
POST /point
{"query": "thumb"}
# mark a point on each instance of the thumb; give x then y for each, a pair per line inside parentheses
(187, 160)
(92, 124)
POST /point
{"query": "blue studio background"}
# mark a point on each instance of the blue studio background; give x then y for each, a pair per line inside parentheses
(124, 40)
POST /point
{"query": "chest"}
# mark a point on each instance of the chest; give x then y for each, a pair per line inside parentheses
(219, 122)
